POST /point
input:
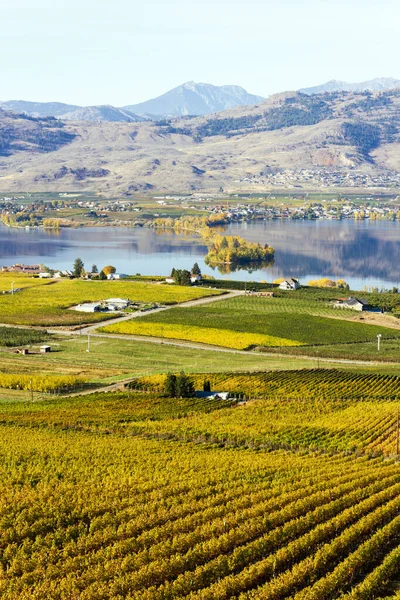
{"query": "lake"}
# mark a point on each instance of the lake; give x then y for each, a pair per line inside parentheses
(364, 253)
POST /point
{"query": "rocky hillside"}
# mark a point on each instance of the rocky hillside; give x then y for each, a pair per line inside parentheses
(290, 140)
(24, 134)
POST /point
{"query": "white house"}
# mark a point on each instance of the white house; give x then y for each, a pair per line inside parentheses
(353, 303)
(289, 284)
(195, 278)
(112, 276)
(44, 275)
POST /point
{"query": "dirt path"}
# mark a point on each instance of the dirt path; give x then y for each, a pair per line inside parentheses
(112, 387)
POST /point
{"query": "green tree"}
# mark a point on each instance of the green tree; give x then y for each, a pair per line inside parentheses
(182, 277)
(102, 275)
(78, 267)
(196, 269)
(170, 385)
(184, 386)
(94, 269)
(206, 386)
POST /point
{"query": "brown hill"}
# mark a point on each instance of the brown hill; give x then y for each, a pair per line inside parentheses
(290, 140)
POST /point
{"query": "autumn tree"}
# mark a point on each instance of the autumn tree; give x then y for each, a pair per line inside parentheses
(108, 270)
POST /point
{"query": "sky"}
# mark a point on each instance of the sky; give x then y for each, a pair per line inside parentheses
(122, 52)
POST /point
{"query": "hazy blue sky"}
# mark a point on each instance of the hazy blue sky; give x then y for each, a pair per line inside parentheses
(125, 51)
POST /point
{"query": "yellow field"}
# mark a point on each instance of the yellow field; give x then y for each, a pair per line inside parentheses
(48, 304)
(20, 281)
(205, 335)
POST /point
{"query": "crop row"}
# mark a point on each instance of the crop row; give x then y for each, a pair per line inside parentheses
(105, 516)
(320, 383)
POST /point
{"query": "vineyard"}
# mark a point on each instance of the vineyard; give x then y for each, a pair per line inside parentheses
(40, 383)
(247, 321)
(193, 333)
(305, 383)
(11, 336)
(326, 410)
(48, 304)
(87, 515)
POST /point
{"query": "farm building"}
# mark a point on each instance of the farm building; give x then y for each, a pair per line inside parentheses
(89, 307)
(44, 275)
(116, 303)
(195, 278)
(353, 303)
(289, 284)
(45, 349)
(112, 276)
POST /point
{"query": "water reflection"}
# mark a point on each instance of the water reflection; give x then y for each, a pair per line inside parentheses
(363, 253)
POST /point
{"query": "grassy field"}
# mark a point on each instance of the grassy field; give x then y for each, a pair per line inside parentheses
(20, 281)
(200, 511)
(281, 322)
(111, 360)
(48, 305)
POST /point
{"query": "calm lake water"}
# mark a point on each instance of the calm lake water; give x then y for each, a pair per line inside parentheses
(364, 253)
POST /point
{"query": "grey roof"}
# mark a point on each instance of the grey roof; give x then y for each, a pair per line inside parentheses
(352, 301)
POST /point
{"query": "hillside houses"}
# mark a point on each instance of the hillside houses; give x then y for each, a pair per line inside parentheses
(289, 284)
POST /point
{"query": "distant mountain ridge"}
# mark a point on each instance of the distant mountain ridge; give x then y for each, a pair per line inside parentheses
(71, 112)
(196, 99)
(191, 98)
(188, 99)
(379, 84)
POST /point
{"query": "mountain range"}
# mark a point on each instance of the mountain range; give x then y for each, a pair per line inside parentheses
(380, 84)
(189, 99)
(306, 141)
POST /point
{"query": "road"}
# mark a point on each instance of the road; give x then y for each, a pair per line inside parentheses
(139, 314)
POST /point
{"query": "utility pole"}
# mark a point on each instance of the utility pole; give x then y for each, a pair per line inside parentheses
(379, 341)
(12, 288)
(88, 343)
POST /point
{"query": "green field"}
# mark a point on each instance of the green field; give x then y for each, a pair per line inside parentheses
(281, 321)
(115, 496)
(48, 305)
